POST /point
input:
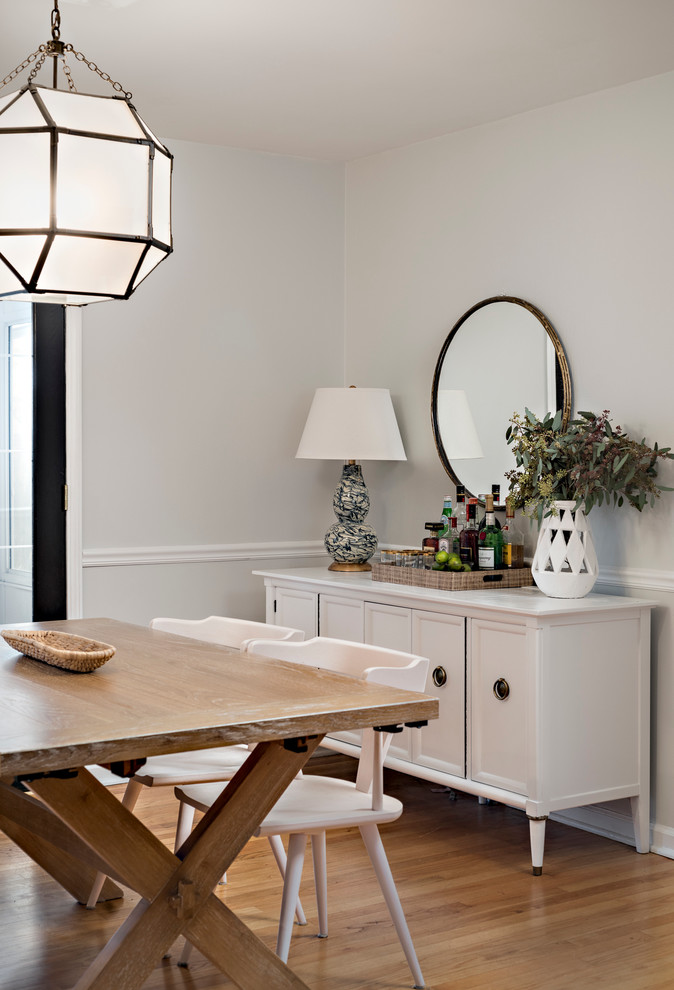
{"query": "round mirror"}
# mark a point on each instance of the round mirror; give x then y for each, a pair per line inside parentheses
(501, 357)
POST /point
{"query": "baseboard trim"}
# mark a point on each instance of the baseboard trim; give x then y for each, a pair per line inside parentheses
(616, 826)
(133, 556)
(663, 841)
(600, 821)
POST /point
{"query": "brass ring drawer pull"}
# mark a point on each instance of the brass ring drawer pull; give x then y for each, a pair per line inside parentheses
(439, 676)
(501, 689)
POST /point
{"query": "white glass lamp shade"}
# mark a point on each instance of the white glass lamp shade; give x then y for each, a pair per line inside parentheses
(456, 426)
(85, 197)
(352, 424)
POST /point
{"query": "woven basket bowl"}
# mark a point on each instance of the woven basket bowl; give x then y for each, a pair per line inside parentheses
(76, 653)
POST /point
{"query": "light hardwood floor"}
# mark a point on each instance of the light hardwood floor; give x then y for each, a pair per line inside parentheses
(600, 916)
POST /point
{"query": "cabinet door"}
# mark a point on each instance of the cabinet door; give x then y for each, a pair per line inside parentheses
(442, 743)
(498, 704)
(391, 627)
(297, 609)
(341, 618)
(388, 626)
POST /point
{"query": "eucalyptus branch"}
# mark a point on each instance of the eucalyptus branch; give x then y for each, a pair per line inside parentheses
(591, 463)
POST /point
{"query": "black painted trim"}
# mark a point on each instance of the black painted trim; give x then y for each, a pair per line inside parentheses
(49, 463)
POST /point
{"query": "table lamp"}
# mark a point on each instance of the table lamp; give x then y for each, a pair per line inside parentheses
(350, 425)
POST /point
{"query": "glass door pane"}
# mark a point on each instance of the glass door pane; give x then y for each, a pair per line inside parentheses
(16, 462)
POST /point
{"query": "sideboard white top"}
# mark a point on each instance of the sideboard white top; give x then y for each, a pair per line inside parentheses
(525, 601)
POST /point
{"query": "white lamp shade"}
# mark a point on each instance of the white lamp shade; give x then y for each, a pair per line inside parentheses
(356, 424)
(456, 426)
(85, 197)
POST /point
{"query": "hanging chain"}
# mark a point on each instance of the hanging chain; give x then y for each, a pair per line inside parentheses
(56, 48)
(40, 54)
(56, 22)
(94, 68)
(69, 79)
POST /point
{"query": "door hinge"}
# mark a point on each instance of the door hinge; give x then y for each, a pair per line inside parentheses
(65, 498)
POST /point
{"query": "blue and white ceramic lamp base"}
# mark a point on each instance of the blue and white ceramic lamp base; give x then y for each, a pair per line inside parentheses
(351, 542)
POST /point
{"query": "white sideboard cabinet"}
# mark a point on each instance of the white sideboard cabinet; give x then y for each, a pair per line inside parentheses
(544, 702)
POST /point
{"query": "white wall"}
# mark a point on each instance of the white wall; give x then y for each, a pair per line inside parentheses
(196, 389)
(572, 208)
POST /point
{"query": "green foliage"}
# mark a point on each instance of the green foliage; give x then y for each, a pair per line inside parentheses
(591, 463)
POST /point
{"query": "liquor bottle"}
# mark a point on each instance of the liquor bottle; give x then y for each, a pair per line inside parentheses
(454, 544)
(475, 502)
(490, 540)
(496, 495)
(460, 511)
(468, 538)
(430, 542)
(513, 540)
(444, 536)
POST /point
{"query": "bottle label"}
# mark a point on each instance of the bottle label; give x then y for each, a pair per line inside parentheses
(443, 544)
(485, 558)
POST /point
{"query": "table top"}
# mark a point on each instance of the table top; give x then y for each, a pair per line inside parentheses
(162, 693)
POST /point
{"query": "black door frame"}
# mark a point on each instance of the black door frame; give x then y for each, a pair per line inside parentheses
(49, 463)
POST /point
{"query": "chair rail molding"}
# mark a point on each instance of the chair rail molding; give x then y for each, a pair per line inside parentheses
(609, 577)
(636, 577)
(131, 556)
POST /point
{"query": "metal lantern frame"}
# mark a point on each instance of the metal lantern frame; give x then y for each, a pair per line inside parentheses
(85, 205)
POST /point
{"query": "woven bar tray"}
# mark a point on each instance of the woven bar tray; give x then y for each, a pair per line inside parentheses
(517, 577)
(75, 653)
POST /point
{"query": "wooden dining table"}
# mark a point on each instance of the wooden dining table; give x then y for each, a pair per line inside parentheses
(158, 694)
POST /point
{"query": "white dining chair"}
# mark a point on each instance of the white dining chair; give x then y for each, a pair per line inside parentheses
(202, 765)
(312, 805)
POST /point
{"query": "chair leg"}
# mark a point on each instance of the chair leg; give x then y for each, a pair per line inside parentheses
(185, 955)
(279, 852)
(320, 881)
(375, 849)
(184, 824)
(291, 888)
(131, 795)
(183, 829)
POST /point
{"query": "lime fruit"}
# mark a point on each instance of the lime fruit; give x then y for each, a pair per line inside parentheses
(442, 557)
(466, 567)
(454, 562)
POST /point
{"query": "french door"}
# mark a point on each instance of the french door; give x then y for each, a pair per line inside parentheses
(32, 463)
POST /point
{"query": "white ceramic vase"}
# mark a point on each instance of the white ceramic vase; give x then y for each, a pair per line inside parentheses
(565, 562)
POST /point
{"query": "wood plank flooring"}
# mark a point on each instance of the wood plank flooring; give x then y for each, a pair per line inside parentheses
(601, 916)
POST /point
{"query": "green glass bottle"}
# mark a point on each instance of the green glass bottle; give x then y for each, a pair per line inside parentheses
(445, 535)
(490, 540)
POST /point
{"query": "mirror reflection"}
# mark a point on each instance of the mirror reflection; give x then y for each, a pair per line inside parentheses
(504, 355)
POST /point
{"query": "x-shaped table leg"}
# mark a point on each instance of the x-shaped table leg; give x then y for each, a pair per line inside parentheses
(176, 891)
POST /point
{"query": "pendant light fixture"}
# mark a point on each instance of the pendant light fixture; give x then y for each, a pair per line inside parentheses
(85, 188)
